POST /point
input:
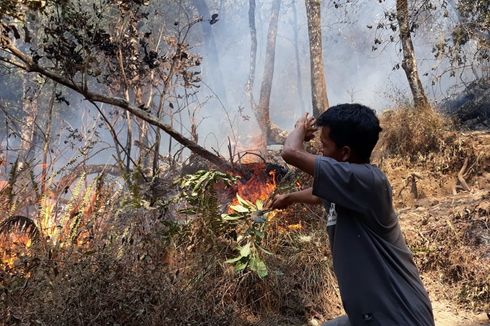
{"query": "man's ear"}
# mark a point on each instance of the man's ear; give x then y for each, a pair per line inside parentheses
(345, 153)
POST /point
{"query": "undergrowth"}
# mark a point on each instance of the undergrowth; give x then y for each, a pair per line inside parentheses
(114, 257)
(138, 266)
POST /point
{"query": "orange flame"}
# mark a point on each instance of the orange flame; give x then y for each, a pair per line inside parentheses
(12, 246)
(258, 186)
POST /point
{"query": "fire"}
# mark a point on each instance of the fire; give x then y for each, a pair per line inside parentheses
(12, 246)
(259, 186)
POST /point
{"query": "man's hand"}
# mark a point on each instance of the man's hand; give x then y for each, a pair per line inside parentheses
(279, 202)
(307, 124)
(304, 196)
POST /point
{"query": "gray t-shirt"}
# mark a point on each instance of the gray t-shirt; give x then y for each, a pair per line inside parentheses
(378, 280)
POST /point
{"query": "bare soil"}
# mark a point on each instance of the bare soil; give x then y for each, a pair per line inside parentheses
(448, 229)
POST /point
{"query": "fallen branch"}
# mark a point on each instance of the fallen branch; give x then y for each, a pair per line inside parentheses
(32, 66)
(461, 173)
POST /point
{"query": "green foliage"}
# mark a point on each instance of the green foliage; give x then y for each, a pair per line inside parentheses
(251, 219)
(247, 219)
(198, 190)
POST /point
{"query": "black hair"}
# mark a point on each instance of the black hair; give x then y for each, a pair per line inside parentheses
(352, 125)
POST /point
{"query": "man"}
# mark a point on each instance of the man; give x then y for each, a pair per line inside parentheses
(378, 280)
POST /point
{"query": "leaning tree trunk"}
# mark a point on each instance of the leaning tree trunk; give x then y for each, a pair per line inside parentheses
(29, 65)
(318, 83)
(409, 63)
(262, 111)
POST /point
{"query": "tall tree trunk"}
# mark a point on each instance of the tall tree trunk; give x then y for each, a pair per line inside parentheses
(143, 128)
(28, 130)
(409, 63)
(262, 111)
(214, 73)
(249, 86)
(299, 82)
(318, 83)
(47, 140)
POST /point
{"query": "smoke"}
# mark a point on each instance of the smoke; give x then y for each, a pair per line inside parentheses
(221, 107)
(354, 72)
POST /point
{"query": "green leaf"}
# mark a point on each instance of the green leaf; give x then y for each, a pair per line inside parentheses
(240, 266)
(258, 266)
(231, 217)
(239, 208)
(233, 260)
(260, 204)
(200, 181)
(245, 250)
(244, 202)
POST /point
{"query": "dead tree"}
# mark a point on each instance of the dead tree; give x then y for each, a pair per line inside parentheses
(47, 140)
(409, 63)
(28, 130)
(318, 83)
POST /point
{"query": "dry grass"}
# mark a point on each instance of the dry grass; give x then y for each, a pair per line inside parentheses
(138, 268)
(450, 241)
(412, 133)
(446, 224)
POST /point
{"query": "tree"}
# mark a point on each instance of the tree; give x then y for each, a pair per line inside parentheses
(106, 58)
(262, 110)
(409, 63)
(299, 82)
(318, 83)
(249, 86)
(468, 41)
(214, 73)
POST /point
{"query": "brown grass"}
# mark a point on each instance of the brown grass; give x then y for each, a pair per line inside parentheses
(140, 268)
(412, 133)
(450, 243)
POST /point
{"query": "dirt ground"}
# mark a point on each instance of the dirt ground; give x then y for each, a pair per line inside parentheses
(438, 203)
(449, 314)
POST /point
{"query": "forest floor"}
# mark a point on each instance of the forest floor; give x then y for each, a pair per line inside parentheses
(138, 268)
(447, 310)
(448, 313)
(466, 212)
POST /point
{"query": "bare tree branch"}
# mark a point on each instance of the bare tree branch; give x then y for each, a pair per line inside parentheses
(32, 66)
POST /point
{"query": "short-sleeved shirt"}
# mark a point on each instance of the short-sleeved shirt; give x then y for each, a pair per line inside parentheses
(378, 280)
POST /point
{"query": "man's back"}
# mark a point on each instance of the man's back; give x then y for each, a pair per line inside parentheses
(378, 280)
